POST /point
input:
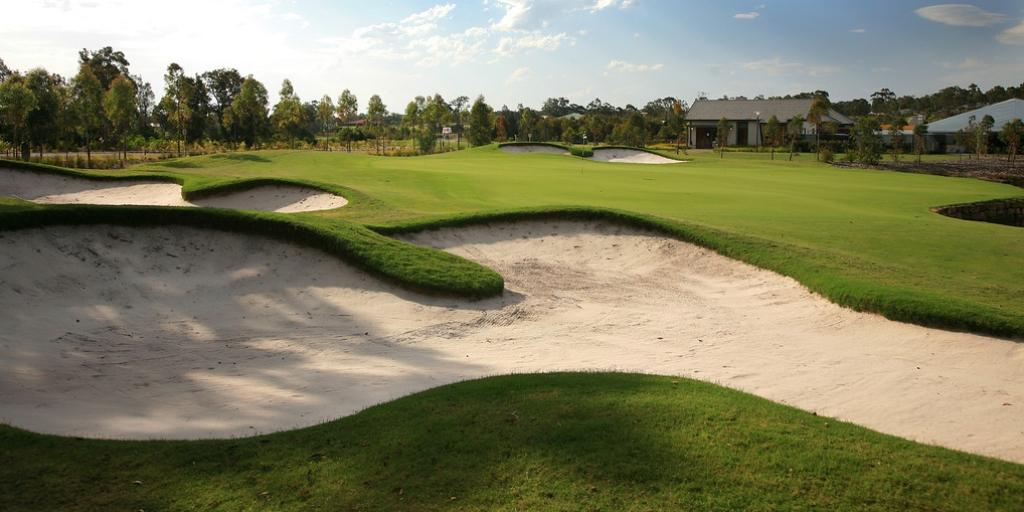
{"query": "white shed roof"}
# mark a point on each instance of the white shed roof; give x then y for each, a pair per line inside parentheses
(1003, 112)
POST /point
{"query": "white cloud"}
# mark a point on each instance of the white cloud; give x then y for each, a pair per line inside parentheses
(531, 41)
(960, 15)
(746, 15)
(1013, 35)
(968, 63)
(622, 66)
(516, 12)
(778, 66)
(519, 75)
(858, 30)
(475, 32)
(435, 13)
(600, 5)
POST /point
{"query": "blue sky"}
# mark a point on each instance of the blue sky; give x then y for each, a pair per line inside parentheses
(522, 51)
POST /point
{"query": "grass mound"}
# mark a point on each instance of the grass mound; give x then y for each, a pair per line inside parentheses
(528, 442)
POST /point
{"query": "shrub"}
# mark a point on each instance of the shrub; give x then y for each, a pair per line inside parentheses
(827, 156)
(582, 151)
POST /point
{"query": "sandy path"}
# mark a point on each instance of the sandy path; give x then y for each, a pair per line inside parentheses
(185, 333)
(630, 156)
(54, 189)
(533, 148)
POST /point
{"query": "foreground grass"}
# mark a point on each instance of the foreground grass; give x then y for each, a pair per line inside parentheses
(528, 442)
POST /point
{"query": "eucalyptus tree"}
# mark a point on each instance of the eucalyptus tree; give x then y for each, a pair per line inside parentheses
(88, 107)
(981, 132)
(248, 113)
(42, 120)
(105, 63)
(325, 114)
(866, 146)
(376, 116)
(145, 100)
(1011, 133)
(920, 140)
(722, 135)
(480, 122)
(460, 110)
(527, 121)
(177, 100)
(120, 107)
(816, 116)
(896, 124)
(772, 130)
(16, 102)
(288, 115)
(222, 85)
(795, 132)
(348, 107)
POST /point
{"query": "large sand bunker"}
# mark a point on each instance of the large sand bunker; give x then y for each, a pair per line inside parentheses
(185, 333)
(55, 189)
(534, 148)
(630, 156)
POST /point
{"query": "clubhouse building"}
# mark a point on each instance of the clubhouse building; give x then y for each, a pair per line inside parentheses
(748, 118)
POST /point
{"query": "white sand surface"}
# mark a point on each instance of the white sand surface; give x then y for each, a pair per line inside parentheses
(187, 333)
(533, 148)
(630, 156)
(54, 189)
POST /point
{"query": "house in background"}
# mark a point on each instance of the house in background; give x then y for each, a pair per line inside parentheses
(943, 132)
(748, 119)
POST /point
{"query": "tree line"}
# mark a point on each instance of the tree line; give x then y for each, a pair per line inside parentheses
(104, 106)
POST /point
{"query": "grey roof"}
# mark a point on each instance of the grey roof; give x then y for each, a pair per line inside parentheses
(1003, 112)
(744, 110)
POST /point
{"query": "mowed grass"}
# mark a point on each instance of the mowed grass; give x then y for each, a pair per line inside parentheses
(867, 239)
(531, 442)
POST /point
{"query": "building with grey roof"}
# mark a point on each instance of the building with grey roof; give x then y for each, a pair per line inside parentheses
(748, 118)
(1003, 112)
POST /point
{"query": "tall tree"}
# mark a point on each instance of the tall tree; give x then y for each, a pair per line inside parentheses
(460, 109)
(119, 105)
(248, 113)
(376, 115)
(722, 135)
(5, 72)
(348, 107)
(288, 115)
(982, 133)
(480, 122)
(867, 148)
(772, 131)
(88, 106)
(222, 85)
(816, 115)
(178, 91)
(795, 131)
(16, 102)
(145, 100)
(106, 64)
(527, 122)
(920, 139)
(1011, 134)
(896, 124)
(325, 114)
(42, 120)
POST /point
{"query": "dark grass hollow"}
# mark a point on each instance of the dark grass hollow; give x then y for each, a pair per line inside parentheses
(573, 441)
(1009, 212)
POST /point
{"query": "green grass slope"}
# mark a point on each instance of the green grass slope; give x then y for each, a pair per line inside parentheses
(866, 239)
(529, 442)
